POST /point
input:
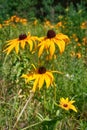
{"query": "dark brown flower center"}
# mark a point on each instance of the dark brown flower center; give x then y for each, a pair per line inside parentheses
(22, 36)
(51, 34)
(65, 105)
(42, 70)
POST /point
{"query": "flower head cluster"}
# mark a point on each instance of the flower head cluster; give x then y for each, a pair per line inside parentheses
(40, 75)
(47, 43)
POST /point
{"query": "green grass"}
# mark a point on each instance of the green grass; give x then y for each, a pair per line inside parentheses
(41, 113)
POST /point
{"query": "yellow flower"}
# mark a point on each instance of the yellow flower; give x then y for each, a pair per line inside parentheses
(0, 25)
(84, 25)
(66, 104)
(78, 55)
(40, 75)
(48, 43)
(21, 41)
(84, 41)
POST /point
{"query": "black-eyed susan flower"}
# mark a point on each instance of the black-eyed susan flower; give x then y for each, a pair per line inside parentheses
(48, 43)
(40, 76)
(66, 104)
(22, 40)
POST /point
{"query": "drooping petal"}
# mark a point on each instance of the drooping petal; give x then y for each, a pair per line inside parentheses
(23, 44)
(73, 108)
(48, 81)
(17, 48)
(9, 48)
(61, 45)
(50, 75)
(40, 50)
(35, 84)
(52, 48)
(41, 81)
(30, 42)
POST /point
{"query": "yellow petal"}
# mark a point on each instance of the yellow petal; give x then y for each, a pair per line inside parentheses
(50, 75)
(30, 42)
(52, 48)
(61, 45)
(35, 84)
(73, 108)
(17, 48)
(41, 81)
(41, 50)
(9, 49)
(48, 81)
(23, 44)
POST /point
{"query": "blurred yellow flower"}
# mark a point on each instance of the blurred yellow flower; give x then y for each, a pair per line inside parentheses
(1, 25)
(59, 24)
(75, 37)
(40, 75)
(78, 55)
(22, 40)
(66, 104)
(48, 42)
(84, 41)
(47, 24)
(84, 25)
(35, 22)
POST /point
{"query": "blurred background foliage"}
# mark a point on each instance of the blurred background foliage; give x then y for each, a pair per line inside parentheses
(31, 9)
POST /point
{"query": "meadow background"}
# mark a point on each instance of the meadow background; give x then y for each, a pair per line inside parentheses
(41, 113)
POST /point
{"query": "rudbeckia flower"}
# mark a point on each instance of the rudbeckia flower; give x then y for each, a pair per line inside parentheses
(40, 76)
(20, 41)
(48, 43)
(66, 104)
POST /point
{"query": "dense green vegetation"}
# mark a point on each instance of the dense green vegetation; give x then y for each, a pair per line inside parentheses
(32, 9)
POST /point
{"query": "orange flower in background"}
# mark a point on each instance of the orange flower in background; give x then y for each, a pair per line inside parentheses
(59, 24)
(48, 43)
(35, 22)
(22, 40)
(84, 41)
(1, 25)
(78, 55)
(67, 105)
(72, 54)
(84, 25)
(75, 37)
(47, 24)
(79, 45)
(14, 19)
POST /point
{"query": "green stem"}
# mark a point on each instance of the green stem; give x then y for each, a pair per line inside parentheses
(32, 125)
